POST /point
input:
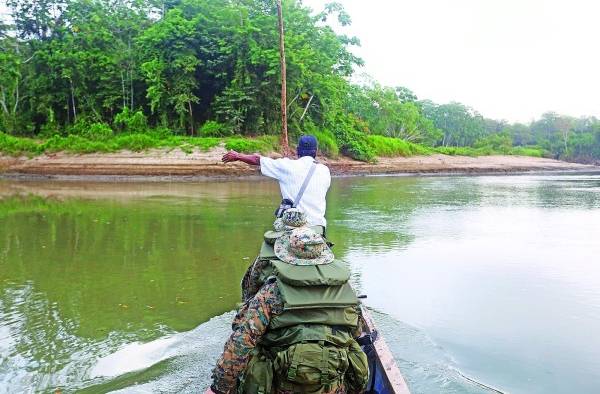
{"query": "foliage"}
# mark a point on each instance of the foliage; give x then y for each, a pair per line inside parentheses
(585, 146)
(350, 134)
(461, 125)
(264, 144)
(327, 144)
(215, 129)
(131, 122)
(496, 141)
(17, 146)
(393, 113)
(169, 64)
(201, 143)
(72, 70)
(96, 131)
(391, 147)
(487, 150)
(74, 143)
(11, 77)
(135, 142)
(533, 151)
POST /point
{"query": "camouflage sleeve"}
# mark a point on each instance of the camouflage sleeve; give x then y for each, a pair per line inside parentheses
(248, 326)
(251, 282)
(246, 282)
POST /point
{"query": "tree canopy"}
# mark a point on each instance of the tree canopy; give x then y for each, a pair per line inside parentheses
(211, 68)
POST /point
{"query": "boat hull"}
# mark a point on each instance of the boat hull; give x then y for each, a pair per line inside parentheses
(384, 375)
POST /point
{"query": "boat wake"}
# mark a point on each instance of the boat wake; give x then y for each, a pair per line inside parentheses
(183, 362)
(177, 363)
(425, 365)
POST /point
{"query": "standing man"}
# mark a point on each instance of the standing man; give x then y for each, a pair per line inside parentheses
(291, 174)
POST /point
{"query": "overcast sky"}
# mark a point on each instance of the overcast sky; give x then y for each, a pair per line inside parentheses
(508, 59)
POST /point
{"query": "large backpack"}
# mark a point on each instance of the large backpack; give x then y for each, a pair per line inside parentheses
(309, 347)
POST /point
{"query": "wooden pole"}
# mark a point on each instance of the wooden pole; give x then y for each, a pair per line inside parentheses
(284, 131)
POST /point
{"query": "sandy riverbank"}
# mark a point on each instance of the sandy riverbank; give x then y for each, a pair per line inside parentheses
(175, 163)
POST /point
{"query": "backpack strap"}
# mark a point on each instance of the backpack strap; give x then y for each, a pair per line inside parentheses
(311, 171)
(293, 370)
(325, 381)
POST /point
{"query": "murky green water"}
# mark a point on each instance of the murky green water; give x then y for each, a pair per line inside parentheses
(129, 287)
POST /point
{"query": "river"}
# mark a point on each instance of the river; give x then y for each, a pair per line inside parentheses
(130, 287)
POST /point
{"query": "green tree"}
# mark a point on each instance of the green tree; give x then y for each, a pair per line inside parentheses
(12, 92)
(461, 125)
(169, 65)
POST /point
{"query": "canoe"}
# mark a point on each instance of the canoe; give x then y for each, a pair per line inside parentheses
(384, 374)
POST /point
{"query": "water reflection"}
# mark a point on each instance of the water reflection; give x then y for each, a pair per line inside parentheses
(106, 285)
(82, 277)
(499, 270)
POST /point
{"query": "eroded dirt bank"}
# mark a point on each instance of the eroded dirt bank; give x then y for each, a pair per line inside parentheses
(175, 163)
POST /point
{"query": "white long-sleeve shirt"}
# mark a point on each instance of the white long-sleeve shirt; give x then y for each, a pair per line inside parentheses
(290, 174)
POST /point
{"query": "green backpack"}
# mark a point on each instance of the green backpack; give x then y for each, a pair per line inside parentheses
(258, 376)
(317, 367)
(311, 367)
(309, 348)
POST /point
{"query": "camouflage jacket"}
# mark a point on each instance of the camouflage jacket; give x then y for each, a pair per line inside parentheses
(254, 278)
(249, 325)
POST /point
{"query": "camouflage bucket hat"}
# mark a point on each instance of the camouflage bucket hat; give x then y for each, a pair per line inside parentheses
(278, 230)
(303, 246)
(291, 219)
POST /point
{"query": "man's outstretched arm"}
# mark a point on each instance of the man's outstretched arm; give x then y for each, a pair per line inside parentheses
(232, 155)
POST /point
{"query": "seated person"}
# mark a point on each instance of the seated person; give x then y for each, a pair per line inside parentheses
(297, 332)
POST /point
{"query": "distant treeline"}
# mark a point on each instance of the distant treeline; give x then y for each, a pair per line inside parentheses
(95, 68)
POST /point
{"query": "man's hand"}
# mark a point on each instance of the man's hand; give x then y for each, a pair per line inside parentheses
(230, 156)
(234, 156)
(209, 391)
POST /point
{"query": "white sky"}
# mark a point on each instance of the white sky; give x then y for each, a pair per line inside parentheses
(508, 59)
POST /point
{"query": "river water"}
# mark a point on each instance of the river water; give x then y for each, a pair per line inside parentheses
(473, 280)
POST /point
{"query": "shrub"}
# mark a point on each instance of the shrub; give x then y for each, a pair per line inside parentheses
(359, 150)
(98, 132)
(17, 146)
(187, 144)
(263, 144)
(459, 151)
(159, 133)
(94, 131)
(215, 129)
(78, 127)
(131, 122)
(48, 130)
(532, 151)
(204, 143)
(74, 143)
(136, 142)
(243, 145)
(327, 144)
(390, 147)
(350, 134)
(498, 141)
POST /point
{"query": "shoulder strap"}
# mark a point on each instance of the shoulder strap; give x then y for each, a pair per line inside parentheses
(304, 184)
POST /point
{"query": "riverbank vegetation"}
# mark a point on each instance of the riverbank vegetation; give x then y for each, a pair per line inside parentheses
(103, 75)
(133, 142)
